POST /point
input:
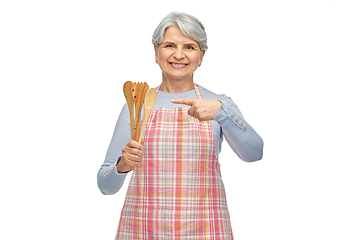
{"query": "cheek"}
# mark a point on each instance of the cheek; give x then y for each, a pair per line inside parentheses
(196, 59)
(164, 54)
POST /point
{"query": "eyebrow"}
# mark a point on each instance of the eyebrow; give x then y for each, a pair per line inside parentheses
(167, 42)
(186, 44)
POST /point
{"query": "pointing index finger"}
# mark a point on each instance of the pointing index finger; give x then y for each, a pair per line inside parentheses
(186, 101)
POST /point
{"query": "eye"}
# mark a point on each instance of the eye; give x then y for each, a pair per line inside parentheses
(189, 47)
(169, 46)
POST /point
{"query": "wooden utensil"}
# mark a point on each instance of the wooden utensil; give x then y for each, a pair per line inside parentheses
(133, 88)
(139, 90)
(150, 99)
(130, 102)
(138, 93)
(139, 97)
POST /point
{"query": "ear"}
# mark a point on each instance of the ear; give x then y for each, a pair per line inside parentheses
(202, 56)
(156, 54)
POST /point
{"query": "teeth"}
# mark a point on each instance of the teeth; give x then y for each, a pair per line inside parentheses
(175, 64)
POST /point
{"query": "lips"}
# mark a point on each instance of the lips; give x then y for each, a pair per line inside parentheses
(178, 65)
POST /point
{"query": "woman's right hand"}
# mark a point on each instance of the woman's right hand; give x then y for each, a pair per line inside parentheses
(131, 156)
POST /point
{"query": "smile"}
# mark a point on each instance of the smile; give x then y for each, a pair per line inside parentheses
(178, 65)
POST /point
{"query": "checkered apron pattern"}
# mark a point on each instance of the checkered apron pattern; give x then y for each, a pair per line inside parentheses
(178, 192)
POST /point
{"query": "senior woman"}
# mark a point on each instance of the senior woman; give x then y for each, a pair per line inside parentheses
(178, 191)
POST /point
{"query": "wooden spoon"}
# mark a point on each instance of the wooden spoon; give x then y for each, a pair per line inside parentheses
(130, 102)
(150, 99)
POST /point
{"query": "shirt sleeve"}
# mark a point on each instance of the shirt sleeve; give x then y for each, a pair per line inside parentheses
(242, 138)
(109, 179)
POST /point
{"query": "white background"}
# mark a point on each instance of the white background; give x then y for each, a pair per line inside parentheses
(291, 66)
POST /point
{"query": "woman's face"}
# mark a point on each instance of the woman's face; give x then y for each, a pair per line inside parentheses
(178, 56)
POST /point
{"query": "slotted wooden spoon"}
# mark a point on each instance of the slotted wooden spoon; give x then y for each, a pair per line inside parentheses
(130, 102)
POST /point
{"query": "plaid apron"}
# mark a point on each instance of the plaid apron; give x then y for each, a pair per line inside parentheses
(178, 192)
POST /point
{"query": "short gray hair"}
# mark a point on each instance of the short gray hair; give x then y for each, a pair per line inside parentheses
(190, 26)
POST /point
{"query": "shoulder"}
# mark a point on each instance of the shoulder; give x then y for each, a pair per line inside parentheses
(207, 94)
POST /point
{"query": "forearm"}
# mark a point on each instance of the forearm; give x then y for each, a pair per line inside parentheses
(109, 179)
(242, 138)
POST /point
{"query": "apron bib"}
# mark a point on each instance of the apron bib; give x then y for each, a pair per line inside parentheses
(178, 193)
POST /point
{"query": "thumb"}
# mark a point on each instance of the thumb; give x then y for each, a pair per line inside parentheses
(186, 101)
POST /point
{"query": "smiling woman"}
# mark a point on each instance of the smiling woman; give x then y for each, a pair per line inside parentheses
(178, 191)
(178, 57)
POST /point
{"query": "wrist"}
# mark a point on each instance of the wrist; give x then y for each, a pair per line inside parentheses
(220, 106)
(120, 168)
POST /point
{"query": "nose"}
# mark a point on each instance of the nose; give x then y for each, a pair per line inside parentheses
(178, 54)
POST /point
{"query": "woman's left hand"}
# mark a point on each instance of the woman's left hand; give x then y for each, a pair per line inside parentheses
(202, 109)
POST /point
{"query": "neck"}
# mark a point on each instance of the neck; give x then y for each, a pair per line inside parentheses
(176, 86)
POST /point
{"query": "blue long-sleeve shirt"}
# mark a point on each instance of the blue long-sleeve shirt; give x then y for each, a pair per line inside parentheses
(228, 122)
